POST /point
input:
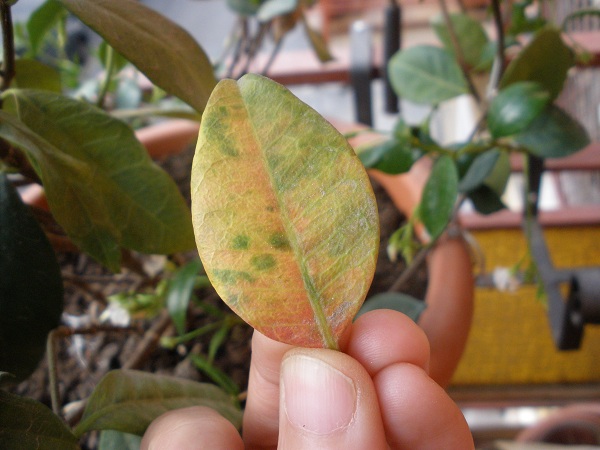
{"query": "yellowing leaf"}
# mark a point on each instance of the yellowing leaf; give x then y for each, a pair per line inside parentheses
(285, 218)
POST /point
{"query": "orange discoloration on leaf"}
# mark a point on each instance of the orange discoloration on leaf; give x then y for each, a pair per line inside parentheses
(285, 219)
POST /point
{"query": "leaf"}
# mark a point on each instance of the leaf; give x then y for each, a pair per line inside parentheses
(515, 107)
(272, 8)
(216, 375)
(546, 61)
(486, 200)
(317, 42)
(425, 74)
(129, 400)
(395, 301)
(391, 156)
(31, 290)
(26, 424)
(498, 177)
(30, 73)
(469, 33)
(553, 134)
(245, 7)
(180, 292)
(439, 196)
(161, 49)
(102, 186)
(116, 440)
(42, 20)
(479, 170)
(285, 217)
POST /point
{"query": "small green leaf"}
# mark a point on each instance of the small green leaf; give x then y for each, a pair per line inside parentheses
(270, 9)
(395, 301)
(553, 134)
(102, 186)
(179, 293)
(486, 200)
(26, 424)
(439, 196)
(479, 170)
(426, 74)
(117, 440)
(470, 34)
(391, 156)
(546, 61)
(42, 20)
(32, 74)
(215, 374)
(158, 47)
(285, 218)
(515, 107)
(31, 290)
(129, 400)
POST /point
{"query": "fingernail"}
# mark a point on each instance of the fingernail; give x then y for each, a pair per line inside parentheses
(316, 397)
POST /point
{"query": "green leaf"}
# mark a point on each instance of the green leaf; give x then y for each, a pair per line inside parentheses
(425, 74)
(498, 177)
(515, 107)
(285, 217)
(42, 20)
(439, 196)
(215, 374)
(129, 400)
(26, 424)
(32, 74)
(245, 7)
(116, 440)
(272, 8)
(391, 156)
(479, 170)
(102, 186)
(317, 42)
(553, 134)
(469, 33)
(546, 61)
(161, 49)
(486, 200)
(31, 290)
(395, 301)
(179, 293)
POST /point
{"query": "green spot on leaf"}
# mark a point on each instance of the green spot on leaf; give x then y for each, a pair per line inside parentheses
(263, 262)
(279, 241)
(228, 277)
(241, 242)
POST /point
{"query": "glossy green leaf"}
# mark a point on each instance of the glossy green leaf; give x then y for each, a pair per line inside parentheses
(470, 34)
(117, 440)
(42, 20)
(32, 74)
(101, 185)
(285, 217)
(515, 107)
(485, 200)
(26, 424)
(273, 8)
(390, 156)
(553, 134)
(479, 170)
(425, 74)
(546, 61)
(31, 290)
(439, 196)
(395, 301)
(161, 49)
(129, 400)
(180, 292)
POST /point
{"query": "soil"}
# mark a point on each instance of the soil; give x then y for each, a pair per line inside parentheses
(84, 359)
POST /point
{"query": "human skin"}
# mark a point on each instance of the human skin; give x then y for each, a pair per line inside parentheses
(376, 393)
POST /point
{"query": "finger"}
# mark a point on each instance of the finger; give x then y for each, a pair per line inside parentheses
(384, 337)
(328, 401)
(417, 413)
(261, 415)
(190, 429)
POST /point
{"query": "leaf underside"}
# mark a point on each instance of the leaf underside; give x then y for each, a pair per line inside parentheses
(285, 218)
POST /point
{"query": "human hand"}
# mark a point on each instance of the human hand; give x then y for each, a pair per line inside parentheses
(376, 394)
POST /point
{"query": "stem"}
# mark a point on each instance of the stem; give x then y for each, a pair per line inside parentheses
(8, 45)
(458, 50)
(500, 32)
(110, 67)
(52, 371)
(272, 56)
(255, 44)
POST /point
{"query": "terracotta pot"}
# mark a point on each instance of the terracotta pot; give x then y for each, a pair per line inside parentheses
(161, 140)
(450, 292)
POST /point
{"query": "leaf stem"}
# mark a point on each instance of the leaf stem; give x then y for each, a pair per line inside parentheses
(8, 46)
(500, 44)
(110, 67)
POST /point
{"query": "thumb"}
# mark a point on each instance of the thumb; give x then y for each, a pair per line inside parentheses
(327, 401)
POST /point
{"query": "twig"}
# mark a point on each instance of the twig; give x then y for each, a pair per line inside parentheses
(410, 270)
(149, 342)
(273, 55)
(500, 35)
(8, 63)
